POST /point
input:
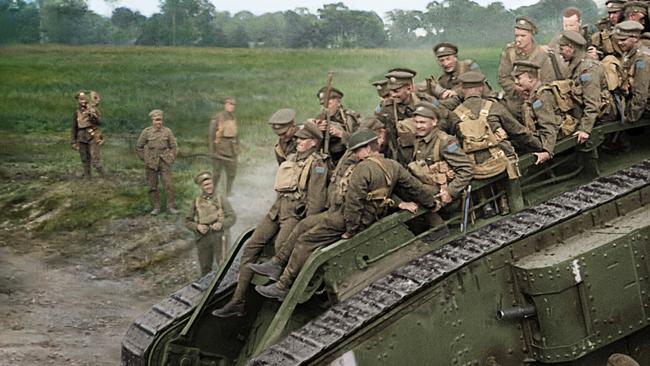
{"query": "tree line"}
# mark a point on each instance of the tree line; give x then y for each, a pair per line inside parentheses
(199, 23)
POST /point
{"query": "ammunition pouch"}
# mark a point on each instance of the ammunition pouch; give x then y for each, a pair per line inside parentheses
(438, 173)
(568, 125)
(292, 175)
(228, 128)
(494, 165)
(406, 132)
(208, 212)
(97, 135)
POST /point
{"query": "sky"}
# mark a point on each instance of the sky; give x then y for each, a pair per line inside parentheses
(148, 7)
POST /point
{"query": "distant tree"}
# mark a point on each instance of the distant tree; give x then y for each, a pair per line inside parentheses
(62, 20)
(301, 29)
(154, 32)
(403, 27)
(19, 22)
(127, 25)
(342, 27)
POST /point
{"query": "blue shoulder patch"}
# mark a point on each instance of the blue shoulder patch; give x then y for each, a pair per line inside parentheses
(585, 77)
(453, 147)
(640, 64)
(473, 66)
(320, 169)
(436, 102)
(378, 108)
(537, 104)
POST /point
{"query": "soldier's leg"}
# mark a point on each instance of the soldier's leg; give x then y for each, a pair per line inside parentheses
(231, 172)
(287, 225)
(166, 175)
(95, 158)
(282, 256)
(204, 250)
(84, 154)
(152, 182)
(263, 234)
(217, 168)
(327, 232)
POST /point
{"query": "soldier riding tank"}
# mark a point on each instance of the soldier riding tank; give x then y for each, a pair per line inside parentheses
(564, 279)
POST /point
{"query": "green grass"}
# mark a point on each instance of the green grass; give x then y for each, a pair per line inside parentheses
(37, 84)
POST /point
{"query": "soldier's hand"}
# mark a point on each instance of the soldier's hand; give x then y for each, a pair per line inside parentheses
(408, 206)
(75, 146)
(542, 157)
(216, 226)
(346, 235)
(582, 136)
(321, 123)
(447, 94)
(592, 52)
(336, 132)
(203, 229)
(444, 195)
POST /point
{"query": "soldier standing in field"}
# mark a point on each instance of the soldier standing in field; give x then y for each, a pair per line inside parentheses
(524, 48)
(284, 125)
(86, 135)
(157, 147)
(209, 216)
(224, 144)
(301, 186)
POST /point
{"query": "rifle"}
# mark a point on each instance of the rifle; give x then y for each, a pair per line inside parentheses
(556, 66)
(213, 156)
(619, 107)
(466, 203)
(328, 92)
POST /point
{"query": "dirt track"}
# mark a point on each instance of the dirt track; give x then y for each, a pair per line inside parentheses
(68, 298)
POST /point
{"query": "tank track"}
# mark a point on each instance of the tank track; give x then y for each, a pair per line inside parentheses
(148, 326)
(344, 319)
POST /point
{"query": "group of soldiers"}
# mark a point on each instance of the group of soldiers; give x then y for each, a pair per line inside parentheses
(339, 173)
(427, 141)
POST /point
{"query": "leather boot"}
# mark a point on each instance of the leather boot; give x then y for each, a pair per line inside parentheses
(270, 269)
(488, 211)
(234, 307)
(87, 174)
(272, 291)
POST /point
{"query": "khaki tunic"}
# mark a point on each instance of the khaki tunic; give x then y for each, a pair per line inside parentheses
(542, 116)
(449, 151)
(223, 140)
(210, 246)
(284, 215)
(157, 146)
(509, 55)
(284, 148)
(399, 144)
(590, 84)
(498, 117)
(603, 40)
(357, 211)
(636, 64)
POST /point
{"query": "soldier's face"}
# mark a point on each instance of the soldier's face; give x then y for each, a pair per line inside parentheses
(207, 186)
(289, 134)
(362, 152)
(424, 125)
(571, 23)
(305, 144)
(615, 17)
(157, 122)
(381, 137)
(229, 106)
(523, 38)
(401, 94)
(525, 81)
(567, 51)
(83, 100)
(627, 43)
(637, 17)
(448, 63)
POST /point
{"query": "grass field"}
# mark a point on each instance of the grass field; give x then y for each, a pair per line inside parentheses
(37, 84)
